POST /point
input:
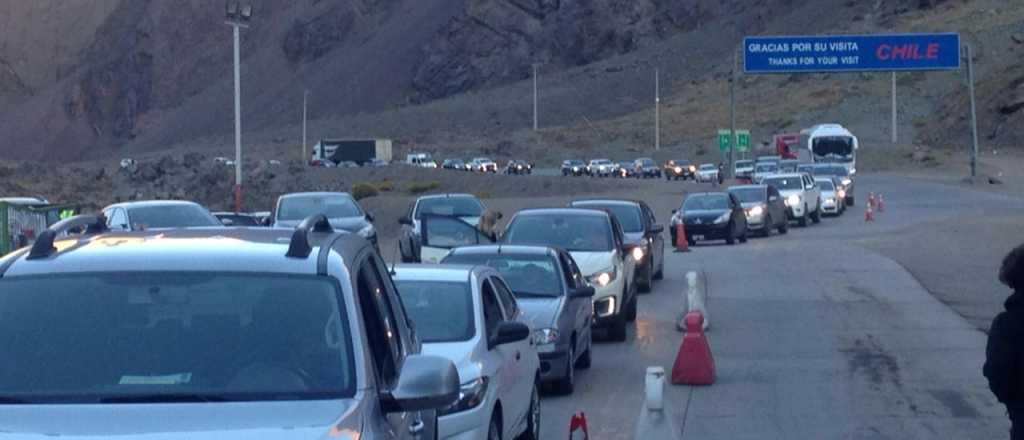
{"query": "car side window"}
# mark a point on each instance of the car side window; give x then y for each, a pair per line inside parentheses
(616, 232)
(492, 309)
(117, 218)
(402, 323)
(508, 301)
(380, 324)
(567, 274)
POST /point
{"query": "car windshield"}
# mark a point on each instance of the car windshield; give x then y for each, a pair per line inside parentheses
(708, 167)
(767, 168)
(527, 275)
(333, 206)
(574, 163)
(749, 195)
(744, 164)
(646, 162)
(826, 185)
(706, 202)
(171, 216)
(785, 183)
(572, 232)
(454, 206)
(832, 171)
(442, 311)
(628, 215)
(157, 336)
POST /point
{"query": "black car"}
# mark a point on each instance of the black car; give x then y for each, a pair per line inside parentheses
(238, 219)
(624, 168)
(573, 167)
(645, 167)
(713, 216)
(454, 164)
(641, 229)
(518, 167)
(680, 169)
(764, 207)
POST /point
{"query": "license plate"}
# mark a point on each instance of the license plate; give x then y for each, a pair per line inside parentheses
(698, 238)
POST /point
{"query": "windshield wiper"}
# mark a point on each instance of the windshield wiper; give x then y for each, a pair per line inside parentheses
(9, 400)
(166, 398)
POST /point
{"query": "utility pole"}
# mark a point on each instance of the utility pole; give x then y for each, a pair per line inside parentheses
(895, 138)
(536, 124)
(305, 98)
(974, 112)
(237, 17)
(657, 112)
(732, 114)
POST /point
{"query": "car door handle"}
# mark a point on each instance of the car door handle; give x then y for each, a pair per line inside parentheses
(416, 428)
(518, 355)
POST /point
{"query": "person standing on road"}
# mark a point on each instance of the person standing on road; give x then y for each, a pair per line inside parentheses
(1004, 355)
(721, 173)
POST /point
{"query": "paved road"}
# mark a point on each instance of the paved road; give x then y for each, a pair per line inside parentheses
(814, 336)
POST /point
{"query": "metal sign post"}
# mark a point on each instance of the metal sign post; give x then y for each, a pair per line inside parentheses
(732, 113)
(894, 136)
(657, 111)
(974, 112)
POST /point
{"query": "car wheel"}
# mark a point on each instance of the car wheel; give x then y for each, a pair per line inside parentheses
(567, 384)
(743, 238)
(660, 274)
(784, 228)
(731, 237)
(617, 331)
(803, 219)
(493, 429)
(850, 201)
(533, 417)
(691, 242)
(816, 217)
(631, 311)
(585, 359)
(647, 282)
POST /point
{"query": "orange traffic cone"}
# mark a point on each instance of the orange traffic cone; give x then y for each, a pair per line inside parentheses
(578, 427)
(681, 244)
(694, 364)
(880, 203)
(871, 200)
(869, 214)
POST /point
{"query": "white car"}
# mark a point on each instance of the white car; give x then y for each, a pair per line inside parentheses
(707, 173)
(465, 207)
(801, 194)
(833, 197)
(469, 315)
(600, 167)
(483, 165)
(596, 242)
(158, 214)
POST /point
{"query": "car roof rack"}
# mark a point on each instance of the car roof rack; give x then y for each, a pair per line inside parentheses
(43, 246)
(300, 246)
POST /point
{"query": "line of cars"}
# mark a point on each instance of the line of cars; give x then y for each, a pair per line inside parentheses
(304, 326)
(643, 167)
(485, 165)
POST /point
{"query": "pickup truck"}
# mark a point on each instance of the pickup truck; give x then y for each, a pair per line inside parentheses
(801, 194)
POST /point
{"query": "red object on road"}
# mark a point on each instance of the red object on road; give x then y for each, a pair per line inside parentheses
(694, 364)
(869, 214)
(681, 244)
(880, 203)
(578, 427)
(871, 200)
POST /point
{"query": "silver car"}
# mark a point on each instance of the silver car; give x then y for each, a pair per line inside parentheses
(226, 333)
(158, 214)
(468, 314)
(554, 297)
(343, 211)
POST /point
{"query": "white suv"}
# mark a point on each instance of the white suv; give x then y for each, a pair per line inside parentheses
(801, 194)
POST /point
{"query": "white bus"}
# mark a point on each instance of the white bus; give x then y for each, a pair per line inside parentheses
(831, 143)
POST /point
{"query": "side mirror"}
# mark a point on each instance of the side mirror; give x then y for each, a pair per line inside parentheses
(425, 383)
(508, 332)
(227, 222)
(657, 229)
(500, 215)
(674, 211)
(370, 217)
(405, 221)
(582, 292)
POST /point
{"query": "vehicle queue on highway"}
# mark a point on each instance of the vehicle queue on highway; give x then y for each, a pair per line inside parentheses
(458, 340)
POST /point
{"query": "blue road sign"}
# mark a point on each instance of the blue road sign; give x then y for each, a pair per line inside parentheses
(851, 53)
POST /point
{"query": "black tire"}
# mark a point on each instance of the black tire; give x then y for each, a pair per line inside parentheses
(743, 238)
(494, 428)
(617, 331)
(784, 228)
(660, 274)
(567, 384)
(631, 310)
(816, 216)
(646, 283)
(802, 221)
(691, 242)
(850, 201)
(533, 417)
(766, 231)
(731, 237)
(585, 359)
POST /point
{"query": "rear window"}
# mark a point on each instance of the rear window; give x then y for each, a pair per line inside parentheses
(713, 202)
(527, 275)
(629, 216)
(174, 216)
(784, 183)
(442, 311)
(572, 232)
(298, 208)
(452, 206)
(749, 195)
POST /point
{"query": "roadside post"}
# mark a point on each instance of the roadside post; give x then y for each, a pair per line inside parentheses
(889, 53)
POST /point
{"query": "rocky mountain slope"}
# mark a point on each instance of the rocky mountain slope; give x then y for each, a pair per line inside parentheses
(84, 79)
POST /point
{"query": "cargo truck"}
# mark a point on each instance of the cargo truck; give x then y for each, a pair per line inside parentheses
(331, 152)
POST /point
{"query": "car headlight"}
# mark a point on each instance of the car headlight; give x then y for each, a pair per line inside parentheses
(575, 168)
(638, 254)
(756, 211)
(602, 278)
(471, 395)
(841, 194)
(830, 200)
(693, 169)
(679, 170)
(544, 336)
(793, 200)
(722, 218)
(367, 231)
(604, 306)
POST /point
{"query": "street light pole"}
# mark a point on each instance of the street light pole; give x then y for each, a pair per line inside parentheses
(732, 114)
(237, 17)
(657, 111)
(305, 97)
(974, 112)
(536, 123)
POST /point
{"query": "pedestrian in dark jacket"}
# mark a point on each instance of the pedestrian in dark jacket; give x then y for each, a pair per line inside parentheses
(1004, 356)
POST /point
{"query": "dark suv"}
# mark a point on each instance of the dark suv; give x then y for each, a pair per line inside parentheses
(290, 333)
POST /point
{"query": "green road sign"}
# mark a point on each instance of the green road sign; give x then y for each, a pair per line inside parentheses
(743, 140)
(724, 140)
